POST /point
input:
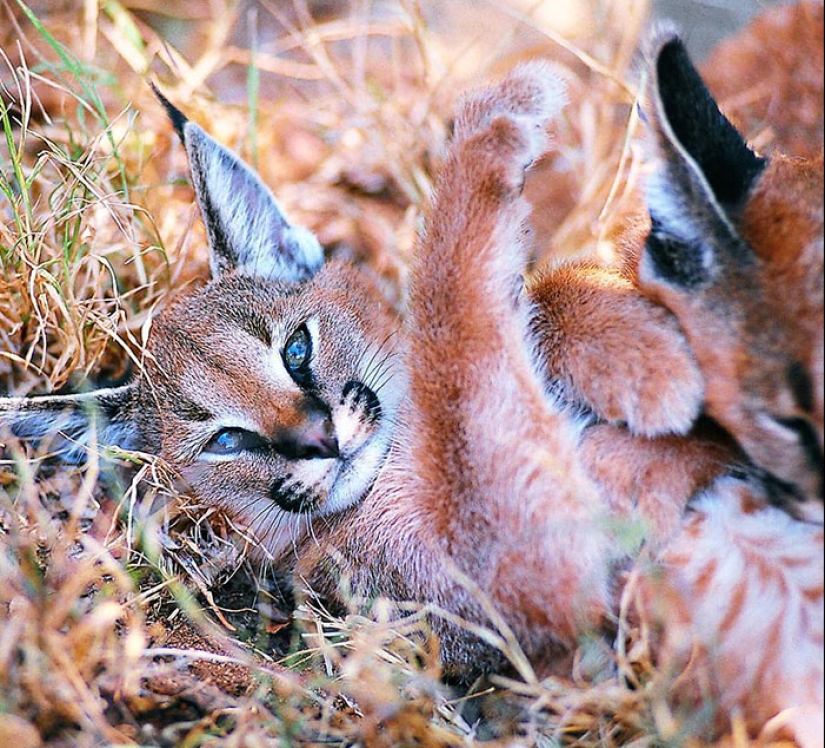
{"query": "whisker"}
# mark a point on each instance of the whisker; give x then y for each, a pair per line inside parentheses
(264, 510)
(384, 376)
(375, 349)
(377, 377)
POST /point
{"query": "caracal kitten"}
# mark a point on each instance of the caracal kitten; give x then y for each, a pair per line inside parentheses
(732, 245)
(433, 460)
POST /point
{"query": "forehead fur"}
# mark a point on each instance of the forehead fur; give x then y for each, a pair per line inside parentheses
(257, 307)
(231, 328)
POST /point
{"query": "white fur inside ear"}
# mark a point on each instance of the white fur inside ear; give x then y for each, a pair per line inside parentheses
(248, 231)
(677, 217)
(260, 261)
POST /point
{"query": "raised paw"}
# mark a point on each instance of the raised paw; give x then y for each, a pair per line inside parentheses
(500, 130)
(531, 95)
(531, 90)
(479, 217)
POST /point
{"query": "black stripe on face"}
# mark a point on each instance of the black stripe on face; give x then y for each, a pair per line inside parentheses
(190, 411)
(294, 498)
(801, 386)
(361, 397)
(250, 321)
(675, 261)
(809, 444)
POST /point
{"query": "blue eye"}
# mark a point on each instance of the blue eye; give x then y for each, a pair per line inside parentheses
(298, 351)
(234, 441)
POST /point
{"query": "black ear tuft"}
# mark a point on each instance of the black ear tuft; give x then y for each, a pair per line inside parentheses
(704, 172)
(248, 232)
(75, 423)
(720, 152)
(177, 117)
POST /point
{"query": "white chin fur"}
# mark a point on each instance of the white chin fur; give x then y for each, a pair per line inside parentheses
(357, 476)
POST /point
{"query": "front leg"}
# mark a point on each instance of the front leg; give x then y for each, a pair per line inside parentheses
(483, 510)
(474, 247)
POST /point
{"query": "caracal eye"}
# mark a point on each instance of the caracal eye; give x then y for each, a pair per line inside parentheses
(298, 350)
(233, 441)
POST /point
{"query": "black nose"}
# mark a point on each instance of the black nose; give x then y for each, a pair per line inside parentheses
(307, 444)
(312, 439)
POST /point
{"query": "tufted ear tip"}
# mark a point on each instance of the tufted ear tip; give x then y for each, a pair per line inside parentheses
(689, 125)
(704, 171)
(247, 230)
(661, 34)
(176, 116)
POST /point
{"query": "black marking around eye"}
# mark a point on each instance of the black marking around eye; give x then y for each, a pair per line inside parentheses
(801, 386)
(675, 261)
(301, 372)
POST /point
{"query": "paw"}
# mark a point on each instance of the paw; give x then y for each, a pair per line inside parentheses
(529, 97)
(530, 91)
(615, 351)
(653, 384)
(664, 390)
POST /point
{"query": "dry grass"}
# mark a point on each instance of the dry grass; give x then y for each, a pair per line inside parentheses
(127, 615)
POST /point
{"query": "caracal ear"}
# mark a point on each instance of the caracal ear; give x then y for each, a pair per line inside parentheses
(247, 230)
(704, 172)
(75, 423)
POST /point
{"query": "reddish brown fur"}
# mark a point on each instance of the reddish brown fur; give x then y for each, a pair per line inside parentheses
(654, 477)
(615, 350)
(761, 655)
(750, 622)
(495, 505)
(748, 328)
(497, 492)
(740, 630)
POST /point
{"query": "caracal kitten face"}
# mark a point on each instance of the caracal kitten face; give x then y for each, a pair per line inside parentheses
(272, 391)
(735, 251)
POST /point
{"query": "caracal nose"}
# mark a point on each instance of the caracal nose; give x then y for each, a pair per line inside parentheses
(313, 439)
(319, 441)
